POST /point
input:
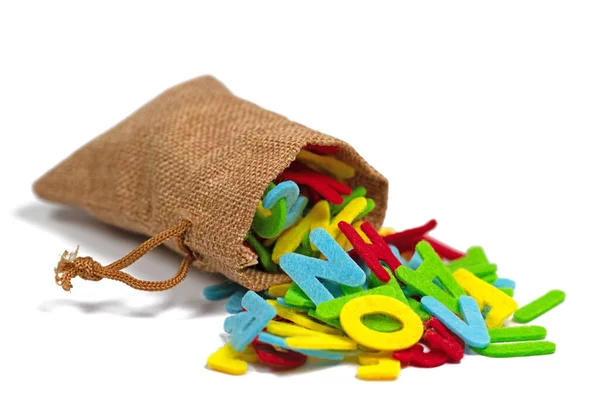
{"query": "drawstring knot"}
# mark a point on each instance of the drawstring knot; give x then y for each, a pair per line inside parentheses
(71, 266)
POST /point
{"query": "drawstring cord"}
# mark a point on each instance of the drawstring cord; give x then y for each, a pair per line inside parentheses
(71, 266)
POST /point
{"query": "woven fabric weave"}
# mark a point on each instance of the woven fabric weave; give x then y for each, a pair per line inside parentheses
(199, 153)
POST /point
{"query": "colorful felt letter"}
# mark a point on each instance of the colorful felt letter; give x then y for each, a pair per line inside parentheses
(234, 303)
(326, 186)
(294, 203)
(221, 290)
(422, 280)
(269, 223)
(372, 253)
(282, 360)
(264, 256)
(245, 326)
(406, 240)
(416, 356)
(505, 283)
(518, 349)
(540, 306)
(517, 334)
(227, 360)
(474, 261)
(339, 268)
(338, 169)
(438, 337)
(378, 367)
(348, 214)
(416, 261)
(442, 249)
(279, 290)
(473, 330)
(353, 312)
(501, 305)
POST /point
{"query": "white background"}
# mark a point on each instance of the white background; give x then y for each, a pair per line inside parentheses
(482, 115)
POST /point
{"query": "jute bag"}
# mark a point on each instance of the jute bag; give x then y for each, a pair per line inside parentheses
(189, 168)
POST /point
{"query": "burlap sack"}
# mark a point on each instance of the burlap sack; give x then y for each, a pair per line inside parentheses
(197, 153)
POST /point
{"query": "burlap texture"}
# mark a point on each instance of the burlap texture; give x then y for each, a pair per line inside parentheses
(195, 152)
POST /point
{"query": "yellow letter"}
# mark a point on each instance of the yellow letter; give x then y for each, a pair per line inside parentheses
(227, 360)
(354, 310)
(502, 305)
(378, 367)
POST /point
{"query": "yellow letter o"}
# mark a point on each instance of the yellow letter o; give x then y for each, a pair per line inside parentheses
(354, 310)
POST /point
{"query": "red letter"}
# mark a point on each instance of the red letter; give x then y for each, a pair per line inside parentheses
(372, 253)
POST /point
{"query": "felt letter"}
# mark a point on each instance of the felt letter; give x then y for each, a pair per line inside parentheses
(353, 312)
(472, 330)
(295, 204)
(245, 326)
(372, 253)
(422, 279)
(339, 268)
(378, 367)
(227, 360)
(501, 305)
